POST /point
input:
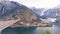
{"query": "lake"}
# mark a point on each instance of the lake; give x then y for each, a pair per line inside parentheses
(38, 30)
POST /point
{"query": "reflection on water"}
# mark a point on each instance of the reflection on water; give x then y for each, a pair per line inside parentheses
(39, 30)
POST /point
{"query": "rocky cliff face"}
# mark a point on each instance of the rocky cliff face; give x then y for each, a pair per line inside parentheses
(13, 10)
(25, 14)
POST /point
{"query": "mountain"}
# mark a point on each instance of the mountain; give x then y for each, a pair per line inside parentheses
(51, 13)
(9, 9)
(37, 11)
(55, 12)
(13, 10)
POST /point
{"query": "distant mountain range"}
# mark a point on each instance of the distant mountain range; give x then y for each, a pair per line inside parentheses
(52, 12)
(8, 8)
(13, 10)
(37, 11)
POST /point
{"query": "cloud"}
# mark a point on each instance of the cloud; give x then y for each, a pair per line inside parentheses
(39, 3)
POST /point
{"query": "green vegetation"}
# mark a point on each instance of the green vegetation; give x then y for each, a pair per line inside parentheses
(46, 32)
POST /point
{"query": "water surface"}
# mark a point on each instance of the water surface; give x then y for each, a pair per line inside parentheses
(38, 30)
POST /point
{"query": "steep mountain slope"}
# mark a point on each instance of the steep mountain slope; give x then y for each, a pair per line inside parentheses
(13, 10)
(10, 9)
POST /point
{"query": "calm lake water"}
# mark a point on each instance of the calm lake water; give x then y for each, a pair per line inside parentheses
(38, 30)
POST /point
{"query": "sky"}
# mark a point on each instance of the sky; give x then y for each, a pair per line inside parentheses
(39, 3)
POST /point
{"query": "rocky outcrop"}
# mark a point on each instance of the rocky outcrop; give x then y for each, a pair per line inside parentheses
(13, 10)
(10, 10)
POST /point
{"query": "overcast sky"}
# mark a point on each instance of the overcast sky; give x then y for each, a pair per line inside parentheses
(39, 3)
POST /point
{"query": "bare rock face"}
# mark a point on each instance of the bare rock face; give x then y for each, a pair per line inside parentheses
(13, 10)
(10, 10)
(25, 15)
